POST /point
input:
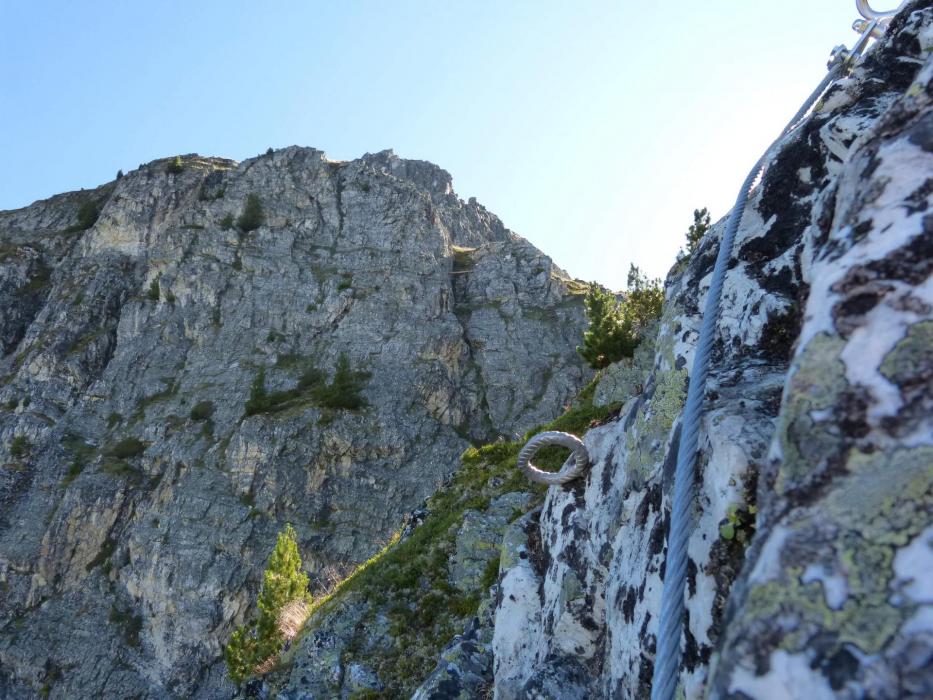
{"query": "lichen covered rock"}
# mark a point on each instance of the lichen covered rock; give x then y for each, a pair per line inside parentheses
(813, 524)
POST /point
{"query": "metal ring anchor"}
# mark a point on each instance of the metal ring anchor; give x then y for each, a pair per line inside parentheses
(573, 468)
(875, 22)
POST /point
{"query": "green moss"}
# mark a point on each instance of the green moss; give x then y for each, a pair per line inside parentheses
(20, 446)
(126, 448)
(202, 411)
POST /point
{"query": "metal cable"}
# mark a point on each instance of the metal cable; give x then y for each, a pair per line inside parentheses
(667, 658)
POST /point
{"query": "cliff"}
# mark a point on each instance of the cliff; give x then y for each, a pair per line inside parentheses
(163, 417)
(167, 403)
(809, 563)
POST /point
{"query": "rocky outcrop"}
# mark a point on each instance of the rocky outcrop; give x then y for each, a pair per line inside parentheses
(162, 414)
(809, 565)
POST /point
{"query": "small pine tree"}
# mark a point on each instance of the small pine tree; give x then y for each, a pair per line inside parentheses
(175, 167)
(119, 174)
(345, 388)
(253, 215)
(153, 293)
(614, 327)
(644, 299)
(283, 582)
(697, 230)
(258, 400)
(609, 336)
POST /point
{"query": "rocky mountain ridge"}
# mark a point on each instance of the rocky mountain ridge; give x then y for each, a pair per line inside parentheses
(169, 398)
(809, 560)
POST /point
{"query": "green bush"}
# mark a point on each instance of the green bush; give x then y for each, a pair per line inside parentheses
(153, 293)
(258, 401)
(614, 327)
(20, 446)
(283, 581)
(644, 299)
(127, 448)
(343, 392)
(202, 410)
(345, 389)
(175, 167)
(697, 230)
(87, 214)
(253, 215)
(227, 222)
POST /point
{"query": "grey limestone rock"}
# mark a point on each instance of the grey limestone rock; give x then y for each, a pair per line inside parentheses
(135, 524)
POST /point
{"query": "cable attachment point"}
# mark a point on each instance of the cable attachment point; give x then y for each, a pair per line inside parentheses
(573, 468)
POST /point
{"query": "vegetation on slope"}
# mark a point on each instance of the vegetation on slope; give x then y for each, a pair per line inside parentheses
(408, 581)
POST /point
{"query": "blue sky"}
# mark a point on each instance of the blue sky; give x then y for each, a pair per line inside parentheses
(591, 128)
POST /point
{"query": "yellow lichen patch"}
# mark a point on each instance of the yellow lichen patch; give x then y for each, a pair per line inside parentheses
(816, 382)
(881, 505)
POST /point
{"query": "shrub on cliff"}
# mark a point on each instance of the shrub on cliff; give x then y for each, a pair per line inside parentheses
(697, 230)
(284, 587)
(615, 326)
(345, 388)
(87, 214)
(253, 215)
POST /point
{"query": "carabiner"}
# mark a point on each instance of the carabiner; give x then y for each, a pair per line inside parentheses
(869, 14)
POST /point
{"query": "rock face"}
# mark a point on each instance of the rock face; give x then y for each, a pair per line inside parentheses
(810, 562)
(139, 496)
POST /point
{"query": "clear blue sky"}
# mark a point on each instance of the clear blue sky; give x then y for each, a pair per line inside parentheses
(591, 128)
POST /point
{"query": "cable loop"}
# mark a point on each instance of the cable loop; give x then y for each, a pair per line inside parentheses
(575, 466)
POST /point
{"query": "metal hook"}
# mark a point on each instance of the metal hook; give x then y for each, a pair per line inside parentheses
(868, 13)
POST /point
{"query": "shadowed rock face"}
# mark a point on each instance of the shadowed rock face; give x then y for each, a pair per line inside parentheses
(810, 565)
(136, 515)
